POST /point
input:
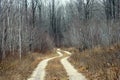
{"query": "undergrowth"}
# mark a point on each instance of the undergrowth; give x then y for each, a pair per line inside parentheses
(100, 63)
(12, 68)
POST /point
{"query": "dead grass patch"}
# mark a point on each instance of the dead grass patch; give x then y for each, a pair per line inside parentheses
(100, 63)
(55, 71)
(14, 69)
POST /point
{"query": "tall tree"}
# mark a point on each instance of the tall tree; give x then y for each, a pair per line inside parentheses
(33, 5)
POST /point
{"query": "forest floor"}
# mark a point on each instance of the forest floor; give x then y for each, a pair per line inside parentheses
(13, 69)
(99, 63)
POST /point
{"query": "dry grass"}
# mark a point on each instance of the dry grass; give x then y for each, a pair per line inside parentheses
(99, 63)
(55, 71)
(14, 69)
(71, 49)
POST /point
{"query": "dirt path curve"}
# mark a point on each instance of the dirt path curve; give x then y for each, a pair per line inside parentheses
(39, 72)
(71, 71)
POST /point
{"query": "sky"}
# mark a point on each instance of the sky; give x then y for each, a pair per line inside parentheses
(62, 2)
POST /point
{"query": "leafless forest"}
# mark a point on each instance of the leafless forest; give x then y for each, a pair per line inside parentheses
(40, 25)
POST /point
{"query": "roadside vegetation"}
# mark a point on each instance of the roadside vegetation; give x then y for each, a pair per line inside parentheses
(99, 63)
(12, 68)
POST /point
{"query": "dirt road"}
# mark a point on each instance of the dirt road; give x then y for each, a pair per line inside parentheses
(39, 73)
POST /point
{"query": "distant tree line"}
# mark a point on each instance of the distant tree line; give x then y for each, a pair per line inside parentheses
(93, 23)
(38, 25)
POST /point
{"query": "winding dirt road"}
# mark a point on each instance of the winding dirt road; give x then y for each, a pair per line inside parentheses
(71, 71)
(39, 72)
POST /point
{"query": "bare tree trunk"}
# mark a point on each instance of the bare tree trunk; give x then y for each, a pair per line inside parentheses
(33, 23)
(20, 41)
(20, 32)
(3, 39)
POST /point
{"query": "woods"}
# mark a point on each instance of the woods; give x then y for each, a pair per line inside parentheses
(38, 25)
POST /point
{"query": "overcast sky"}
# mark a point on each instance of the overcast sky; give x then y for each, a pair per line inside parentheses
(64, 1)
(61, 1)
